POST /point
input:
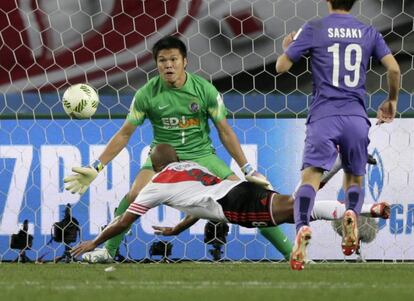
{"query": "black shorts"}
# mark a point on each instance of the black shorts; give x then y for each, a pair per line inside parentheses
(248, 205)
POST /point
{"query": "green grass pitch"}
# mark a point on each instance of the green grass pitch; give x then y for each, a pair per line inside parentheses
(207, 281)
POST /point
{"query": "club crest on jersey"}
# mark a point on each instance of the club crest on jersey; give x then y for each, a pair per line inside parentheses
(194, 107)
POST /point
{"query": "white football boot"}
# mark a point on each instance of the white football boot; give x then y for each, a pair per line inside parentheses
(99, 255)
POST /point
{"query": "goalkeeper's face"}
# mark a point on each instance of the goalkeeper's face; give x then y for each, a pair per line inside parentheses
(171, 67)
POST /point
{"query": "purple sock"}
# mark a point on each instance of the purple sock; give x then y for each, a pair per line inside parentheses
(354, 199)
(304, 200)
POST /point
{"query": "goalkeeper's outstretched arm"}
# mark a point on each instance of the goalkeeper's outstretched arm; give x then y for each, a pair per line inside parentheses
(83, 176)
(232, 145)
(230, 142)
(117, 142)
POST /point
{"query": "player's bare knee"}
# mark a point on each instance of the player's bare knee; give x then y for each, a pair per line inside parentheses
(350, 180)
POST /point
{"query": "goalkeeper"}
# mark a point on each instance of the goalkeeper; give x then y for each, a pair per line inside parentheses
(178, 105)
(189, 187)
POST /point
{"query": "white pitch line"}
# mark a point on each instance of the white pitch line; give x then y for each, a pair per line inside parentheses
(151, 285)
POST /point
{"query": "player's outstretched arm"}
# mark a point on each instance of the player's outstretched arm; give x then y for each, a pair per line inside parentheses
(230, 141)
(83, 176)
(388, 109)
(183, 225)
(284, 63)
(232, 144)
(118, 226)
(117, 142)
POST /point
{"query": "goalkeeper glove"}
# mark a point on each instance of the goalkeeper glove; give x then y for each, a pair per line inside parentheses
(83, 177)
(253, 176)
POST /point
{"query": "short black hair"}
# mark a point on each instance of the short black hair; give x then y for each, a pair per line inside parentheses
(162, 155)
(169, 42)
(342, 4)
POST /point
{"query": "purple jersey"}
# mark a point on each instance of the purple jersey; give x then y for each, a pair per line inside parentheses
(340, 48)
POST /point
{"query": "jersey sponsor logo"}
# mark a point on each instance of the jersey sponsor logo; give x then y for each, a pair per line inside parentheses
(163, 107)
(264, 201)
(259, 224)
(180, 123)
(205, 178)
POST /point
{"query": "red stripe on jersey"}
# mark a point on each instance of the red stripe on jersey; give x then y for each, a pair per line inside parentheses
(236, 220)
(177, 176)
(134, 211)
(234, 216)
(138, 208)
(264, 213)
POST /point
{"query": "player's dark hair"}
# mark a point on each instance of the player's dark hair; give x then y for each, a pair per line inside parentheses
(342, 4)
(169, 42)
(162, 155)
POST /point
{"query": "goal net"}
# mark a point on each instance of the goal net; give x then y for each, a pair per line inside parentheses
(48, 45)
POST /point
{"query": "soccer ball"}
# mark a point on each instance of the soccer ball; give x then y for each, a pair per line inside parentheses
(80, 101)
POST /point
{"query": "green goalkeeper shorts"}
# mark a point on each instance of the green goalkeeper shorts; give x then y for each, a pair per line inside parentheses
(212, 162)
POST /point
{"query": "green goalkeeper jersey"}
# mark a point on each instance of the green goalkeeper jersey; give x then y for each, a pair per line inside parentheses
(179, 116)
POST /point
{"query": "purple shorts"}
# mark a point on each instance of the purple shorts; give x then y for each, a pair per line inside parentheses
(326, 135)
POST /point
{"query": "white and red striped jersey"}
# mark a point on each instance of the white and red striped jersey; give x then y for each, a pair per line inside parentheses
(188, 187)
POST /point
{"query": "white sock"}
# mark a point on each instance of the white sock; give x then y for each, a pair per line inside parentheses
(330, 210)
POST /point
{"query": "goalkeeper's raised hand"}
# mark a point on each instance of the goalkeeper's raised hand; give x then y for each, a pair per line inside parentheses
(83, 177)
(254, 176)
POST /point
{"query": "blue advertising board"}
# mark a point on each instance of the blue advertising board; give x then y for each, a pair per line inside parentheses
(35, 156)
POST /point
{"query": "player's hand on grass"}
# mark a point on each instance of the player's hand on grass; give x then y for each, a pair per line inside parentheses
(165, 231)
(254, 176)
(386, 111)
(84, 247)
